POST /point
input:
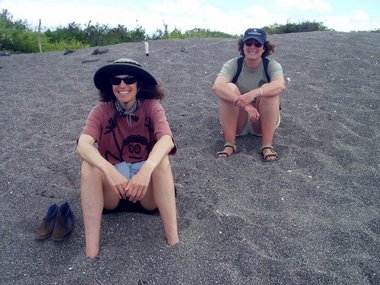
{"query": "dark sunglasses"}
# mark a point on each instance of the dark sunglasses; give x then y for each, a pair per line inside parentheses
(126, 80)
(250, 43)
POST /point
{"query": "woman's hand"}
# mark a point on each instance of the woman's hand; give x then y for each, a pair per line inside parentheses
(243, 100)
(253, 114)
(117, 181)
(138, 185)
(241, 103)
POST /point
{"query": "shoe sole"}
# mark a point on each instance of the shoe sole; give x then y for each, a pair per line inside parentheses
(61, 238)
(41, 238)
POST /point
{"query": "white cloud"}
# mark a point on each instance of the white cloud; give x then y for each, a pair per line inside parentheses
(185, 14)
(360, 21)
(181, 14)
(258, 16)
(357, 20)
(304, 5)
(360, 15)
(256, 11)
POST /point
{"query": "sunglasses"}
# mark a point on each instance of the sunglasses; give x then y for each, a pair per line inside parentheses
(255, 43)
(126, 80)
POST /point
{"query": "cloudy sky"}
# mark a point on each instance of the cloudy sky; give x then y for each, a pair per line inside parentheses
(231, 17)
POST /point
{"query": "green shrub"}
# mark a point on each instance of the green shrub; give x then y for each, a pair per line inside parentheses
(12, 34)
(206, 33)
(176, 34)
(194, 33)
(61, 45)
(25, 42)
(308, 26)
(16, 36)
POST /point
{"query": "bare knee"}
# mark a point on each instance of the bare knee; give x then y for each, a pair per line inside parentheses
(90, 173)
(88, 169)
(162, 176)
(162, 180)
(269, 104)
(269, 100)
(162, 169)
(234, 88)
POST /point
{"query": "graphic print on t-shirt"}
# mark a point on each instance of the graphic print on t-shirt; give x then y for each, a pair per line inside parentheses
(132, 145)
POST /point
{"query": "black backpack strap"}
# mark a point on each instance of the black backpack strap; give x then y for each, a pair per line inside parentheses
(239, 68)
(266, 63)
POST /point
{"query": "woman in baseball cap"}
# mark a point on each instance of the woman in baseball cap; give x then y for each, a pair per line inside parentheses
(249, 90)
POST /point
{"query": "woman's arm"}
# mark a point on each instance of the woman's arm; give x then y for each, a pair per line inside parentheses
(274, 88)
(161, 149)
(139, 183)
(221, 89)
(88, 152)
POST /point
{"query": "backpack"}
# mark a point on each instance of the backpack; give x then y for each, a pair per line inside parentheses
(240, 67)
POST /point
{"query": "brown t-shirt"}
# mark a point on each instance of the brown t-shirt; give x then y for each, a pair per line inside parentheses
(117, 140)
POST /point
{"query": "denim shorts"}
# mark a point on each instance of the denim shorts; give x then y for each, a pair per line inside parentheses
(128, 170)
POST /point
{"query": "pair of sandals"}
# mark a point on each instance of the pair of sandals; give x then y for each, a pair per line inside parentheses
(271, 156)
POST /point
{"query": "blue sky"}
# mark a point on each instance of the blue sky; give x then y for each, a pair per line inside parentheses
(232, 17)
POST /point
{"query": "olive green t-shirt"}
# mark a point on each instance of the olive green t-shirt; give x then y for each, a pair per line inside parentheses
(250, 79)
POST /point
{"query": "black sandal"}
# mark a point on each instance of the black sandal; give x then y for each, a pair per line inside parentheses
(272, 154)
(224, 153)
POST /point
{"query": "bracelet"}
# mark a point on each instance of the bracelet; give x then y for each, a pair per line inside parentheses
(261, 91)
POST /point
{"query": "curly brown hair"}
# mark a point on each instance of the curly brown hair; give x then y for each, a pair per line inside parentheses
(268, 47)
(144, 92)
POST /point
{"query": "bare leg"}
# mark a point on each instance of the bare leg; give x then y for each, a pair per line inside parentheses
(268, 108)
(232, 118)
(161, 194)
(93, 199)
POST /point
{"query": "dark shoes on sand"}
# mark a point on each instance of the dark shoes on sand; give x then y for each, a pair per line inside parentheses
(58, 223)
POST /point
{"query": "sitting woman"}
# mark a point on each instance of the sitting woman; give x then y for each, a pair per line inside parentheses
(250, 103)
(125, 146)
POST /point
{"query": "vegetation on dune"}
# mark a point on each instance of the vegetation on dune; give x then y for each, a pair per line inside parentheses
(18, 37)
(307, 26)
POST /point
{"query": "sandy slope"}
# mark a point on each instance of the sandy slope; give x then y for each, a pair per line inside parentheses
(310, 218)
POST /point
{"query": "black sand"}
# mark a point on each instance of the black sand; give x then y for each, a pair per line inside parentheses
(310, 218)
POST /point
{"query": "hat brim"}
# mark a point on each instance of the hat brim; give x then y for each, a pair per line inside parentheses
(260, 40)
(103, 75)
